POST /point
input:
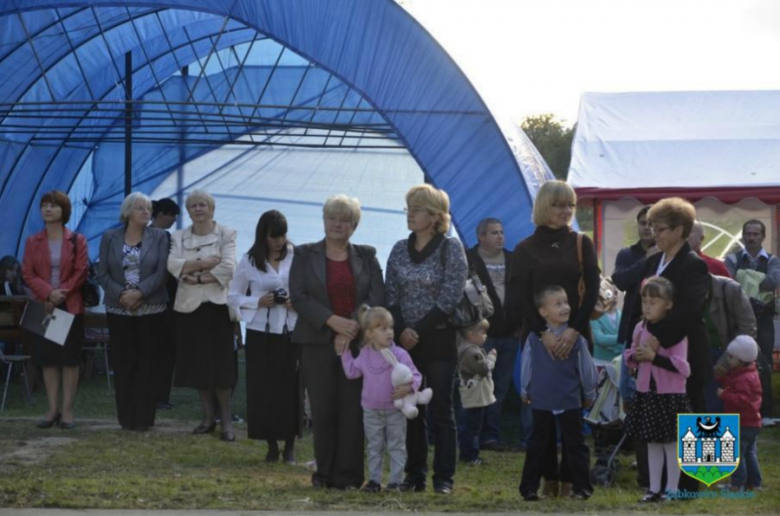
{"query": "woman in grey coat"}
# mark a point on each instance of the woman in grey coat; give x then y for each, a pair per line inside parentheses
(329, 281)
(132, 271)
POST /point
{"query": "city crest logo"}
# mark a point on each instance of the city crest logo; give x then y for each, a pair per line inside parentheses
(708, 445)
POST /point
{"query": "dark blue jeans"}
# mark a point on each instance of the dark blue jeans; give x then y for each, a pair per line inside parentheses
(469, 427)
(766, 342)
(506, 349)
(439, 375)
(748, 473)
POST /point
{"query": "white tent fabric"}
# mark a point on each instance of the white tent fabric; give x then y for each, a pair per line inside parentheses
(677, 140)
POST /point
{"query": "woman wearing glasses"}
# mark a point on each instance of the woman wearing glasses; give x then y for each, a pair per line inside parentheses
(549, 257)
(671, 221)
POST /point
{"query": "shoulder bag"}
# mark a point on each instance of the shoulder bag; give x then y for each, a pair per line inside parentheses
(474, 304)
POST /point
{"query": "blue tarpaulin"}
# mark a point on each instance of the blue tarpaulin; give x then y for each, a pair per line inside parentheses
(344, 87)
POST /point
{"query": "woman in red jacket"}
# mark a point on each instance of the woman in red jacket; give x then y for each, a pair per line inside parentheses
(55, 268)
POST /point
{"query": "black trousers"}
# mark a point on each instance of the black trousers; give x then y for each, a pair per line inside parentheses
(133, 342)
(165, 361)
(576, 454)
(338, 417)
(439, 375)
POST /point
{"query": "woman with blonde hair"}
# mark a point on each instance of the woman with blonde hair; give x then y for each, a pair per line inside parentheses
(329, 281)
(203, 258)
(132, 271)
(549, 257)
(426, 274)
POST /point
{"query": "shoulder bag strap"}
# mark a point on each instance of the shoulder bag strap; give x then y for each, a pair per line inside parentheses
(581, 283)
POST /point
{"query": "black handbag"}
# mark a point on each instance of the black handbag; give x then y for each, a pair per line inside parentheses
(90, 292)
(474, 304)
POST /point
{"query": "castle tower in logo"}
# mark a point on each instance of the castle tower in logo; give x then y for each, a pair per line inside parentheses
(707, 447)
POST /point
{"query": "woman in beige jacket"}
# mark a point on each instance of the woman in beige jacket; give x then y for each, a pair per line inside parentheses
(203, 259)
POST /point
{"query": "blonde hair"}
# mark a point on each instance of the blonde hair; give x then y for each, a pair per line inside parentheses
(373, 317)
(482, 324)
(674, 212)
(436, 201)
(129, 204)
(342, 205)
(200, 195)
(552, 192)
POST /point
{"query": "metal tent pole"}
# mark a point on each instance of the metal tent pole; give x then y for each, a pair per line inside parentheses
(128, 123)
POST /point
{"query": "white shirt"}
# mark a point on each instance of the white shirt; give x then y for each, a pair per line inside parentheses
(259, 284)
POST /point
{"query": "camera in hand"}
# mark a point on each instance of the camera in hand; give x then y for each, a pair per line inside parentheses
(280, 296)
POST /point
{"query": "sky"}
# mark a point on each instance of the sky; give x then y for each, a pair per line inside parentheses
(530, 57)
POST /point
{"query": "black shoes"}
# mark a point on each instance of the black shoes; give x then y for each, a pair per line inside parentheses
(442, 489)
(228, 436)
(67, 426)
(204, 429)
(530, 496)
(46, 423)
(651, 497)
(408, 486)
(371, 487)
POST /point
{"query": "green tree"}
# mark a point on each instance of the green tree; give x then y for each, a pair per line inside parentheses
(553, 141)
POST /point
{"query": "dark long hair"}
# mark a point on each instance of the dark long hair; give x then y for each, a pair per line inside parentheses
(7, 263)
(272, 223)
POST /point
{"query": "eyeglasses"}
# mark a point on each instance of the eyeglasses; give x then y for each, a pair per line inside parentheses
(563, 205)
(658, 230)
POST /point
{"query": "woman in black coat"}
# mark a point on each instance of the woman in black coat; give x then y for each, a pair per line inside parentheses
(671, 220)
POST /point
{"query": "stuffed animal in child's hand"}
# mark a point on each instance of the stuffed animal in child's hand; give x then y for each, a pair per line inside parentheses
(402, 375)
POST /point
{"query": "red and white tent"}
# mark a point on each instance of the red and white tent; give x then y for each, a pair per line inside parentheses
(720, 150)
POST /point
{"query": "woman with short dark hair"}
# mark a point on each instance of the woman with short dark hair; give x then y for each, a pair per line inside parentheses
(259, 291)
(55, 267)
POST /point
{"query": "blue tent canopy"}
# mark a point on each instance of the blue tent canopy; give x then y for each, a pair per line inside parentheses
(297, 98)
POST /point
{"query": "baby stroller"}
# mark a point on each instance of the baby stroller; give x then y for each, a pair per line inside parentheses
(606, 421)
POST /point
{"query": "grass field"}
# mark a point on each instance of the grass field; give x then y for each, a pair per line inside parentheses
(100, 466)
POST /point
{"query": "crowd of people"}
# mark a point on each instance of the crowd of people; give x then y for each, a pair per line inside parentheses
(322, 319)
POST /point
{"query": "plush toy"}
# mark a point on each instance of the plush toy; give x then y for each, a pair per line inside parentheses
(402, 375)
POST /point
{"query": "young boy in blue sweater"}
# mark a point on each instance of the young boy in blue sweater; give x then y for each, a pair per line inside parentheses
(555, 389)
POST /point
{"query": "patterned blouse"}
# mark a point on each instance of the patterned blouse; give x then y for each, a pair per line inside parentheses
(435, 282)
(131, 263)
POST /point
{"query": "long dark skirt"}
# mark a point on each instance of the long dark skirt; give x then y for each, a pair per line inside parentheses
(205, 357)
(134, 341)
(273, 396)
(46, 353)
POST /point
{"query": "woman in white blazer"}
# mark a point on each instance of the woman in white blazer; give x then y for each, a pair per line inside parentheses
(203, 259)
(260, 292)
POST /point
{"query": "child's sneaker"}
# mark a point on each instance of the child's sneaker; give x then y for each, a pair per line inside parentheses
(651, 497)
(393, 486)
(580, 495)
(475, 462)
(371, 487)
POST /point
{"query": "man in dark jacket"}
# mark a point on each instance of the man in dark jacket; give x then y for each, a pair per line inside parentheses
(491, 262)
(629, 265)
